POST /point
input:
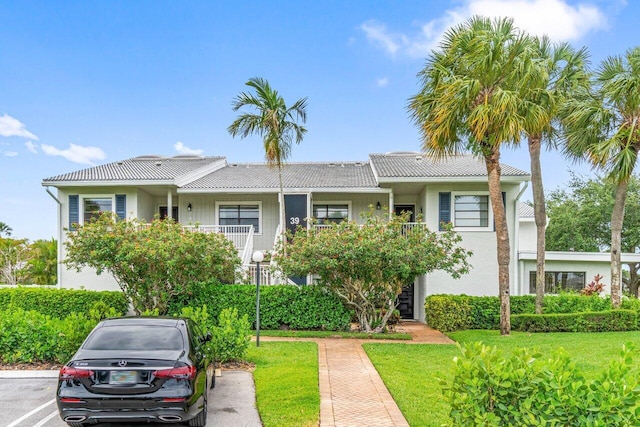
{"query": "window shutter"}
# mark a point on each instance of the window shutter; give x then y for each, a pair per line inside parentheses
(121, 205)
(74, 211)
(445, 209)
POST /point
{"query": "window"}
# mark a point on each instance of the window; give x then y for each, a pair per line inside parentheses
(94, 206)
(330, 213)
(471, 211)
(240, 215)
(557, 281)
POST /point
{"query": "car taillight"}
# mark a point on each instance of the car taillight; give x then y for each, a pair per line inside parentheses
(181, 373)
(69, 373)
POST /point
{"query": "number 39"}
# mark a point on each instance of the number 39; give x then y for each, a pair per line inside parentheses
(294, 220)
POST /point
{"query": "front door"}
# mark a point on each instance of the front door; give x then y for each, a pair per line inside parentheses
(162, 211)
(405, 302)
(399, 209)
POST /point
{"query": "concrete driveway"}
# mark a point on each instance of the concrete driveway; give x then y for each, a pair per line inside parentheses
(27, 399)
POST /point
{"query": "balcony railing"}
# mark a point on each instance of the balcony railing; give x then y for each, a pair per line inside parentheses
(240, 235)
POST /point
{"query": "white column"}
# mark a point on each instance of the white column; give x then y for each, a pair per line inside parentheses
(169, 204)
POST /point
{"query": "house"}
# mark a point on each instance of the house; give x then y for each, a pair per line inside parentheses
(241, 200)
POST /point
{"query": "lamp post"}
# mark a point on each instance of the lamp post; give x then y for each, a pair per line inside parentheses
(257, 257)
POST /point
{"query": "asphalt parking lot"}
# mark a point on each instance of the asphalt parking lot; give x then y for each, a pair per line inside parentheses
(30, 402)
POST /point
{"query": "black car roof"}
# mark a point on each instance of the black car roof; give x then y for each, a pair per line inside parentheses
(141, 320)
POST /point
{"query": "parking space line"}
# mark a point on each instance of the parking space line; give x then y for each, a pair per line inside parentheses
(47, 418)
(25, 416)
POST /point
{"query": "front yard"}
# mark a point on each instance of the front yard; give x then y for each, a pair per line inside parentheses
(286, 373)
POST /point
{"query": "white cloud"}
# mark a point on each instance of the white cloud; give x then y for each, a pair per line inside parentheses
(31, 147)
(183, 149)
(10, 153)
(76, 153)
(557, 19)
(10, 126)
(382, 82)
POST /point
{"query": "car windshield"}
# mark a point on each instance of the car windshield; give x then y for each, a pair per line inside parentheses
(132, 337)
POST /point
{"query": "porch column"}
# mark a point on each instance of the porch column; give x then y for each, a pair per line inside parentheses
(391, 205)
(169, 204)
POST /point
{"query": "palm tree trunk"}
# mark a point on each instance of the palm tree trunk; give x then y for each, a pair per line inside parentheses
(283, 226)
(617, 218)
(540, 216)
(502, 235)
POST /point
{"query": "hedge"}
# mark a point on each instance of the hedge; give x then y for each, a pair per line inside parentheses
(455, 312)
(59, 303)
(281, 306)
(598, 321)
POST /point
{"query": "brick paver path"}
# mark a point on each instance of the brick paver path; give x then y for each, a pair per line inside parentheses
(352, 393)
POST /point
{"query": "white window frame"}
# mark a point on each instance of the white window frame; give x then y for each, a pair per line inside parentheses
(239, 203)
(335, 202)
(83, 197)
(489, 226)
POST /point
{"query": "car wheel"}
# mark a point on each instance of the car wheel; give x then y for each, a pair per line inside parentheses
(200, 420)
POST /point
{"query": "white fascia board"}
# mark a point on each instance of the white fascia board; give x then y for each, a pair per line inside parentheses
(286, 190)
(427, 180)
(110, 183)
(577, 256)
(200, 172)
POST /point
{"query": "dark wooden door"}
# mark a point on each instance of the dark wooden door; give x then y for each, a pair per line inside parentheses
(405, 302)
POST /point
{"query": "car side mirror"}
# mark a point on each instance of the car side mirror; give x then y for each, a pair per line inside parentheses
(207, 337)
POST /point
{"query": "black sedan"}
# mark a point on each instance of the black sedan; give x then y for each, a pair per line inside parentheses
(132, 369)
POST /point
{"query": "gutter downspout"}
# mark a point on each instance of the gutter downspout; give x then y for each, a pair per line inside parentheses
(517, 239)
(59, 263)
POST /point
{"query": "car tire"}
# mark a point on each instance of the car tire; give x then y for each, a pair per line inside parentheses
(200, 420)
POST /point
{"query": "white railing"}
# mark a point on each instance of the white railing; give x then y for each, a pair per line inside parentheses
(267, 277)
(238, 234)
(405, 227)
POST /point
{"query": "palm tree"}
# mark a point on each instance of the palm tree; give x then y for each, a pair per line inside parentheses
(565, 70)
(5, 229)
(276, 123)
(604, 127)
(470, 101)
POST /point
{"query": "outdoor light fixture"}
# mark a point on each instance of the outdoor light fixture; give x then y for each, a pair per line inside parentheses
(189, 207)
(378, 206)
(257, 257)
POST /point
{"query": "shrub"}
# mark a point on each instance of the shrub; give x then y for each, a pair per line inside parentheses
(525, 390)
(59, 303)
(448, 312)
(281, 307)
(31, 337)
(598, 321)
(232, 336)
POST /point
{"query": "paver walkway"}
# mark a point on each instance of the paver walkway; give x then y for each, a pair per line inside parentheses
(351, 390)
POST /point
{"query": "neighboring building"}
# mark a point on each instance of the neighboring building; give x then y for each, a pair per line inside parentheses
(563, 270)
(241, 200)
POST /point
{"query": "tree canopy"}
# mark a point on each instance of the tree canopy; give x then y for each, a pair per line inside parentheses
(580, 219)
(152, 263)
(367, 265)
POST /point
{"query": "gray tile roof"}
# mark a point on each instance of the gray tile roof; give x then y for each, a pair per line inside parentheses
(294, 175)
(143, 168)
(525, 211)
(416, 165)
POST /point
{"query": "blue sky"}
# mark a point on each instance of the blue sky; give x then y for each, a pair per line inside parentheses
(89, 82)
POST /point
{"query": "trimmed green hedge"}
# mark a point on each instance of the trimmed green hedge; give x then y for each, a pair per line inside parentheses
(597, 321)
(59, 303)
(456, 312)
(281, 306)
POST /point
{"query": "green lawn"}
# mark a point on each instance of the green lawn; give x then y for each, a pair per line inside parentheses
(286, 377)
(411, 372)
